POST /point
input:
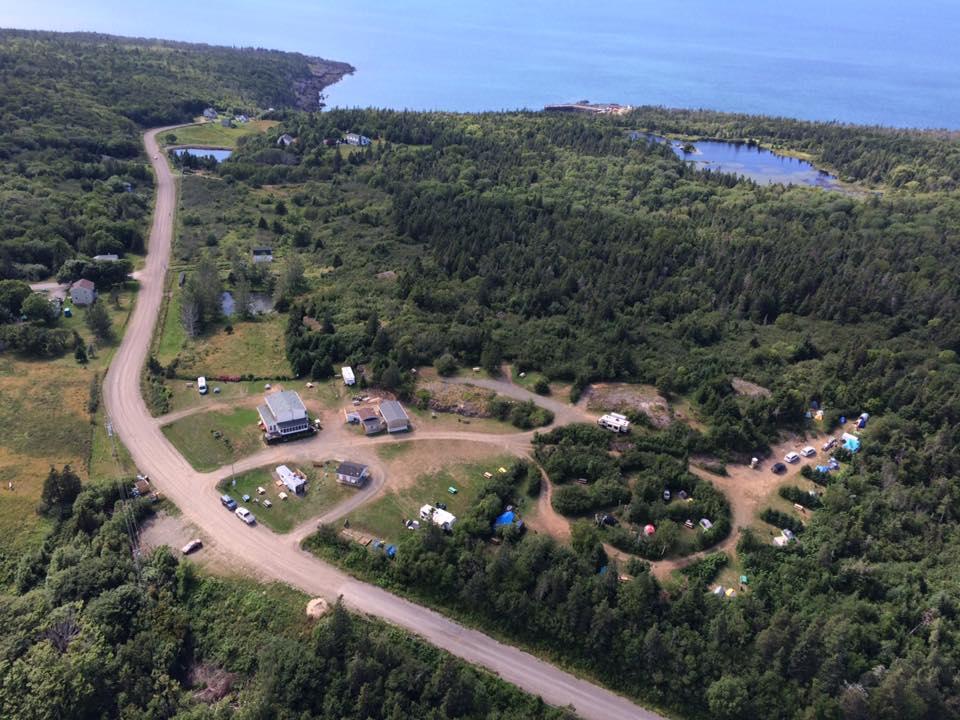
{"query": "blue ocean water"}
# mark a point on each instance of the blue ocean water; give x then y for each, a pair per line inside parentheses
(883, 62)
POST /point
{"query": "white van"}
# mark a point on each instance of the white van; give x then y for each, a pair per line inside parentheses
(202, 385)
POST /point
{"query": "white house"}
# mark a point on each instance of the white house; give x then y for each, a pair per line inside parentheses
(285, 139)
(262, 254)
(283, 415)
(348, 377)
(83, 292)
(210, 114)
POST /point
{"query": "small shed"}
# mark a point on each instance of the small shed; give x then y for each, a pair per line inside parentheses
(262, 254)
(353, 474)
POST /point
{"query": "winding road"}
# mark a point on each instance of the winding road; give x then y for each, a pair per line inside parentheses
(280, 557)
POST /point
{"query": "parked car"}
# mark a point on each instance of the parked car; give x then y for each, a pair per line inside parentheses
(705, 524)
(792, 457)
(245, 515)
(830, 444)
(228, 502)
(779, 468)
(808, 451)
(192, 546)
(267, 503)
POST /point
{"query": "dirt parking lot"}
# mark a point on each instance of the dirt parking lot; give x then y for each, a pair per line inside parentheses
(622, 397)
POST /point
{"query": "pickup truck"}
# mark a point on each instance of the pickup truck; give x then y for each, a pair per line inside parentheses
(228, 502)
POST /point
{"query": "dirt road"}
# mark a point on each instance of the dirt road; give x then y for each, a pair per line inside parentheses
(279, 557)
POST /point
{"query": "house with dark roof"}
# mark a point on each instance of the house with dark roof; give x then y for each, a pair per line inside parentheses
(262, 254)
(370, 419)
(285, 139)
(353, 474)
(283, 415)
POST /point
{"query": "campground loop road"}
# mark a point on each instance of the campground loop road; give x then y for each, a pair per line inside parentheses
(279, 557)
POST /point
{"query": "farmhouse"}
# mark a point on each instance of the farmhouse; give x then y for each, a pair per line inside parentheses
(295, 482)
(283, 415)
(262, 254)
(355, 139)
(394, 416)
(83, 292)
(354, 474)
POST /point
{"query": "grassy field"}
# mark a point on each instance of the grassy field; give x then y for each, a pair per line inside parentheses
(254, 347)
(322, 396)
(43, 405)
(384, 517)
(195, 437)
(323, 492)
(214, 134)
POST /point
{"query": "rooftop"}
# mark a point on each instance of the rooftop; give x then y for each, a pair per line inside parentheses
(351, 469)
(286, 406)
(84, 283)
(392, 410)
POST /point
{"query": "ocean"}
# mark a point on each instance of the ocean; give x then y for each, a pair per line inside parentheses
(884, 62)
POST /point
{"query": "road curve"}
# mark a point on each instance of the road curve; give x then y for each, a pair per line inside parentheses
(278, 557)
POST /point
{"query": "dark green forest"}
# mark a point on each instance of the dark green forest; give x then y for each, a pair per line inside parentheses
(561, 245)
(73, 179)
(95, 631)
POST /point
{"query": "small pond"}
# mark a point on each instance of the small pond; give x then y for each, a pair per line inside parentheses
(218, 155)
(260, 303)
(756, 163)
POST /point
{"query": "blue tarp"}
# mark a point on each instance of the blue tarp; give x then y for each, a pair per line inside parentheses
(852, 444)
(506, 519)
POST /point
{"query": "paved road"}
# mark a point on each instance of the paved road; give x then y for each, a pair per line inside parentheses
(278, 557)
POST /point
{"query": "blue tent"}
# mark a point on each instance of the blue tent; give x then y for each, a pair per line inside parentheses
(506, 518)
(391, 551)
(852, 444)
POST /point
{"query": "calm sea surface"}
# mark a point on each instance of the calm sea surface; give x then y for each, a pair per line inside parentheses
(887, 62)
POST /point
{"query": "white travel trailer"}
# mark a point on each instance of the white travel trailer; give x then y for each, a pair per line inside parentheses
(615, 422)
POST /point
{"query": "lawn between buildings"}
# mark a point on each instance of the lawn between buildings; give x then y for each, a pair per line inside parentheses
(384, 517)
(322, 493)
(209, 440)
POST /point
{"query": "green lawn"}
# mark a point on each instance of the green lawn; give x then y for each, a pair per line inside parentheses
(323, 492)
(195, 437)
(214, 134)
(384, 517)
